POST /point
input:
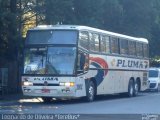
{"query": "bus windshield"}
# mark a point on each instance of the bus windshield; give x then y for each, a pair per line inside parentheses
(153, 73)
(50, 60)
(51, 37)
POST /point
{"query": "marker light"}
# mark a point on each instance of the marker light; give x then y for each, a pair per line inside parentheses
(67, 84)
(26, 83)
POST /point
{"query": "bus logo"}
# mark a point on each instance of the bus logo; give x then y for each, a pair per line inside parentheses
(46, 78)
(102, 66)
(45, 83)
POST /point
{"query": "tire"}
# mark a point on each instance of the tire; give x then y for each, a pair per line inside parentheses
(130, 89)
(90, 91)
(136, 88)
(46, 99)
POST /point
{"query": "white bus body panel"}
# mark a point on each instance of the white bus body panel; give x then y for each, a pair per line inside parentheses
(118, 72)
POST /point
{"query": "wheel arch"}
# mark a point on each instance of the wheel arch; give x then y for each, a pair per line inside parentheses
(131, 79)
(138, 80)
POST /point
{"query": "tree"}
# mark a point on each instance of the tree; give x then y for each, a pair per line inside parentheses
(104, 14)
(58, 11)
(112, 16)
(30, 14)
(86, 12)
(8, 32)
(155, 31)
(12, 31)
(138, 17)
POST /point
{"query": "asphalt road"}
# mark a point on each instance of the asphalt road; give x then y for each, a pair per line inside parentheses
(144, 103)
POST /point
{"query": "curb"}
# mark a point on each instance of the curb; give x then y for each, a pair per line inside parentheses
(7, 102)
(10, 99)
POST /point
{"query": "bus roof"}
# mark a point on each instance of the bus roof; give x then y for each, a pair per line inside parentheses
(78, 27)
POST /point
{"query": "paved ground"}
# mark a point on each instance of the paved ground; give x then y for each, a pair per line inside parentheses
(115, 106)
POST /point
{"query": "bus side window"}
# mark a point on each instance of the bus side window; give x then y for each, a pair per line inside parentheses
(83, 62)
(84, 39)
(94, 42)
(139, 49)
(145, 50)
(114, 45)
(97, 42)
(124, 47)
(132, 48)
(104, 44)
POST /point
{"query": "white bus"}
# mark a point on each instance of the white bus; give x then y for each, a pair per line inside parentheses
(69, 61)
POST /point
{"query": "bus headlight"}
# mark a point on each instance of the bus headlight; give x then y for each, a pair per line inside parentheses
(27, 83)
(67, 84)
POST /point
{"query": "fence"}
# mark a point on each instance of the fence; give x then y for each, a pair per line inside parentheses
(4, 80)
(9, 77)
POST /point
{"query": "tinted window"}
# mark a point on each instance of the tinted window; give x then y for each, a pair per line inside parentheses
(94, 42)
(51, 60)
(105, 44)
(51, 37)
(132, 48)
(145, 49)
(153, 73)
(139, 49)
(114, 45)
(84, 39)
(124, 46)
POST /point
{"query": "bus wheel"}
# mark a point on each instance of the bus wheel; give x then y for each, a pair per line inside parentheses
(46, 99)
(131, 88)
(136, 88)
(90, 91)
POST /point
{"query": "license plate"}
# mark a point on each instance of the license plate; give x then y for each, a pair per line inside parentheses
(45, 91)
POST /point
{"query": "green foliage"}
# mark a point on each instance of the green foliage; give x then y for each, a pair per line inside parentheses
(58, 11)
(8, 29)
(139, 18)
(155, 62)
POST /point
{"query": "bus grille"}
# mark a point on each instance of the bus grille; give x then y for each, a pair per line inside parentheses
(152, 85)
(42, 84)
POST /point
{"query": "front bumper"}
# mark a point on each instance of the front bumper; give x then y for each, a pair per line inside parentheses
(153, 86)
(50, 91)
